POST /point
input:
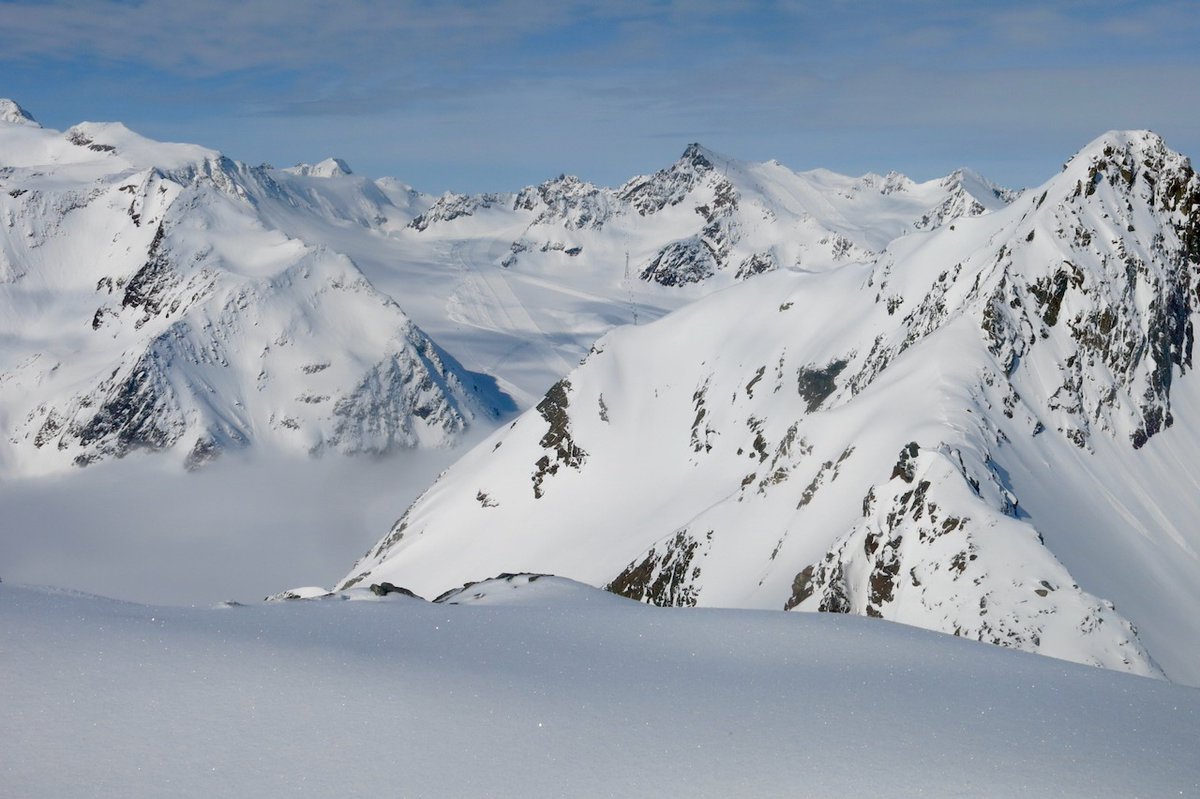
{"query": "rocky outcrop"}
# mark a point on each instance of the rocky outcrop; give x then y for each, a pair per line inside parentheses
(931, 551)
(667, 574)
(561, 449)
(452, 206)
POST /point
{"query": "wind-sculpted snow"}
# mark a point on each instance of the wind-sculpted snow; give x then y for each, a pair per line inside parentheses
(743, 451)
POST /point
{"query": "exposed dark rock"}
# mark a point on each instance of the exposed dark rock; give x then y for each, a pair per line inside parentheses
(569, 201)
(205, 451)
(407, 390)
(666, 575)
(557, 439)
(883, 577)
(701, 437)
(140, 412)
(49, 429)
(802, 588)
(756, 264)
(906, 464)
(1049, 292)
(649, 195)
(148, 287)
(384, 589)
(452, 206)
(816, 384)
(757, 376)
(681, 262)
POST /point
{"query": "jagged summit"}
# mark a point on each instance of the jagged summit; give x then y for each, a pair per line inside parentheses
(1125, 141)
(1129, 162)
(699, 156)
(709, 219)
(12, 112)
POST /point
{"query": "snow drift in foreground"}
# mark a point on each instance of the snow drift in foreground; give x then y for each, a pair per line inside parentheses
(556, 689)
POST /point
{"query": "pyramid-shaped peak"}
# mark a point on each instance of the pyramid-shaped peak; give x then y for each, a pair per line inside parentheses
(698, 156)
(329, 168)
(11, 111)
(962, 174)
(332, 167)
(967, 180)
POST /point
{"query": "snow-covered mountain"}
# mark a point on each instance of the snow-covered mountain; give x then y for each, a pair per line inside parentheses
(148, 304)
(163, 297)
(540, 274)
(986, 428)
(708, 216)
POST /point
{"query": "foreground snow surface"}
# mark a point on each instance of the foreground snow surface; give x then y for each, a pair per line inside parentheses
(553, 689)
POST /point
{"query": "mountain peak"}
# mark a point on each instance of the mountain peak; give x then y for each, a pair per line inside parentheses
(1133, 143)
(984, 191)
(698, 156)
(1128, 163)
(329, 168)
(11, 111)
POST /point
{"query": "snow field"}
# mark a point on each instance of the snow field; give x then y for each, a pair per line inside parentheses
(557, 689)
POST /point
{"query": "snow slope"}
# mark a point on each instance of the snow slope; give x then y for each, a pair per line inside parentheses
(983, 430)
(558, 690)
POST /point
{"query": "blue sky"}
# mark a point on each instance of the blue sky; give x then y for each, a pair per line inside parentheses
(482, 96)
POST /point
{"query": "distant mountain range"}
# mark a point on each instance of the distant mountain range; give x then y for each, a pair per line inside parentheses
(165, 298)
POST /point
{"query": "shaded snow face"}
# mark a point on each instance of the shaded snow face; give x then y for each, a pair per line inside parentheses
(14, 114)
(744, 451)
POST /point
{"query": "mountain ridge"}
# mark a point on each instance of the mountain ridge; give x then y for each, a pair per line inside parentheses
(1047, 342)
(164, 231)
